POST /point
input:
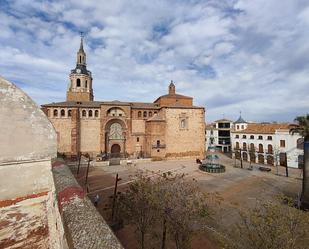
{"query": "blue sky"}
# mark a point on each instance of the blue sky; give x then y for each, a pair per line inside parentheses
(230, 55)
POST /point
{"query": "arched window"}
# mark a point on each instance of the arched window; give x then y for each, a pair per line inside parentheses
(252, 147)
(183, 123)
(237, 145)
(244, 136)
(150, 114)
(251, 137)
(80, 59)
(145, 114)
(270, 149)
(90, 113)
(260, 137)
(86, 84)
(84, 113)
(62, 113)
(261, 150)
(155, 112)
(55, 113)
(116, 112)
(69, 113)
(78, 83)
(158, 143)
(139, 114)
(300, 143)
(96, 113)
(244, 146)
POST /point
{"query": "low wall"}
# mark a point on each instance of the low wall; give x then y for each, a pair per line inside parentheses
(84, 226)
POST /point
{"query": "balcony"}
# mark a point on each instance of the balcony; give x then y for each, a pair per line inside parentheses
(159, 146)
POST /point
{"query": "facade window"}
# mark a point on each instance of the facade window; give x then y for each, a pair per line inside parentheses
(261, 148)
(139, 114)
(244, 146)
(158, 143)
(84, 113)
(282, 143)
(270, 149)
(252, 147)
(155, 112)
(244, 136)
(251, 137)
(55, 113)
(237, 136)
(260, 138)
(78, 83)
(211, 132)
(150, 114)
(137, 139)
(69, 113)
(96, 113)
(269, 138)
(237, 145)
(237, 127)
(242, 127)
(62, 113)
(145, 114)
(90, 113)
(86, 84)
(183, 123)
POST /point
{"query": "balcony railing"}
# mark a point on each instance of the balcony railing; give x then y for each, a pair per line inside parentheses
(159, 146)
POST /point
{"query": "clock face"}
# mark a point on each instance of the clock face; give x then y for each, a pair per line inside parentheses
(78, 70)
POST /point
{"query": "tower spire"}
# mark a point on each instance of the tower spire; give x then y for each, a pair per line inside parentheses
(81, 55)
(81, 47)
(171, 88)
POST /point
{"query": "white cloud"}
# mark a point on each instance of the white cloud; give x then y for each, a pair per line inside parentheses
(229, 55)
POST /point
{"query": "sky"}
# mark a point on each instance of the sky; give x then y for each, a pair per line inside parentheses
(229, 55)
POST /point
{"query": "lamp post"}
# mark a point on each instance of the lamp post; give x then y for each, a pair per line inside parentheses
(114, 197)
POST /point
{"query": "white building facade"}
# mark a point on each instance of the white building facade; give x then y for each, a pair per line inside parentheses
(218, 134)
(265, 143)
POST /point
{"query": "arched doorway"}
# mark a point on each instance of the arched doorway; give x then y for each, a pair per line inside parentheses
(261, 159)
(115, 137)
(115, 149)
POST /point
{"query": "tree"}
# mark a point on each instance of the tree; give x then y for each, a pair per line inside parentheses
(137, 205)
(169, 207)
(181, 206)
(303, 129)
(270, 225)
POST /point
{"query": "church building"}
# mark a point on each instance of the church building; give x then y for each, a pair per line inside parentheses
(170, 127)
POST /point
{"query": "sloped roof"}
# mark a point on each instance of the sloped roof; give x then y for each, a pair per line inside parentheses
(173, 96)
(260, 128)
(97, 104)
(240, 120)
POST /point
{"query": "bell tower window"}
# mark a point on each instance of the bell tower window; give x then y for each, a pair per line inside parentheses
(78, 83)
(80, 59)
(86, 83)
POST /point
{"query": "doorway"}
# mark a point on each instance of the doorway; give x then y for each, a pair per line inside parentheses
(115, 149)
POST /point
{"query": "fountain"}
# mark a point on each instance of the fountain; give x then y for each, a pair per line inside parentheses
(210, 166)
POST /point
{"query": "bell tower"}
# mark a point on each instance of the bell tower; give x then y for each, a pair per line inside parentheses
(80, 85)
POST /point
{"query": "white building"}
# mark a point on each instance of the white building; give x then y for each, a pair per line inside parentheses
(218, 134)
(267, 143)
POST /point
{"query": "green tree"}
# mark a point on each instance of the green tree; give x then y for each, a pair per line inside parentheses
(303, 129)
